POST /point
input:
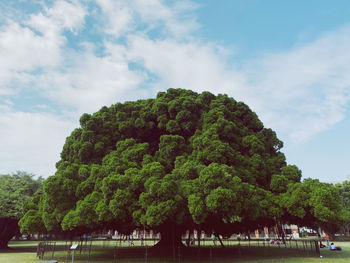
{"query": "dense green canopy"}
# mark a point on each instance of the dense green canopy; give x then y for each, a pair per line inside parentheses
(344, 192)
(314, 204)
(180, 161)
(16, 191)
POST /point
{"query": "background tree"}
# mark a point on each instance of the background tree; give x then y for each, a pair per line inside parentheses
(16, 190)
(344, 192)
(314, 204)
(180, 161)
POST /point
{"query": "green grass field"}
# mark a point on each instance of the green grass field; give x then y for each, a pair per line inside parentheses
(25, 252)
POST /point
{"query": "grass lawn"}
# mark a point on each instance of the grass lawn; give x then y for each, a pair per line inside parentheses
(25, 252)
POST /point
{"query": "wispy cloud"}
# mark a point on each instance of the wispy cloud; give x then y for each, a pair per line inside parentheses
(89, 82)
(123, 17)
(305, 90)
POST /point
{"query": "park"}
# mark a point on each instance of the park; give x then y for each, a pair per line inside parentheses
(174, 131)
(179, 164)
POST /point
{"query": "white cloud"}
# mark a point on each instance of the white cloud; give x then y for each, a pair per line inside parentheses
(68, 15)
(190, 65)
(26, 46)
(304, 91)
(174, 19)
(31, 141)
(90, 82)
(22, 50)
(117, 15)
(123, 17)
(62, 15)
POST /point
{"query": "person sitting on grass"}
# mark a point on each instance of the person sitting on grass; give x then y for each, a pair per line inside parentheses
(333, 247)
(192, 241)
(322, 245)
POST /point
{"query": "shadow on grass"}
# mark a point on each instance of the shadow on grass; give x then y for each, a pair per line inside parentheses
(18, 250)
(205, 254)
(191, 255)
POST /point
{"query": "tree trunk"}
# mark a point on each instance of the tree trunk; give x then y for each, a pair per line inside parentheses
(170, 240)
(188, 238)
(8, 229)
(281, 230)
(199, 232)
(222, 244)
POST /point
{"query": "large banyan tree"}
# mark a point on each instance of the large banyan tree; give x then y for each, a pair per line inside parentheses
(178, 162)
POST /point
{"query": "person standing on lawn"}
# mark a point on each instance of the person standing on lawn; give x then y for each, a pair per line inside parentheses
(327, 240)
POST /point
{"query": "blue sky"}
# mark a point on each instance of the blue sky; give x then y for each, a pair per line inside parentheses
(288, 60)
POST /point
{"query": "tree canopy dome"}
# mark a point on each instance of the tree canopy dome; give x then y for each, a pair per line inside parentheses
(183, 159)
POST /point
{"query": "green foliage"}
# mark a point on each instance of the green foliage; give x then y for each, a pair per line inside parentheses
(16, 190)
(314, 204)
(278, 183)
(344, 194)
(292, 173)
(183, 159)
